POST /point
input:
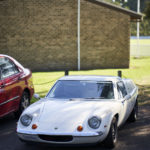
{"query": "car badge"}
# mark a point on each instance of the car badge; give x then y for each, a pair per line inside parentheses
(55, 128)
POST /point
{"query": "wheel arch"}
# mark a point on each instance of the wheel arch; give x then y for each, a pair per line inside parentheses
(28, 91)
(19, 111)
(108, 141)
(111, 116)
(117, 117)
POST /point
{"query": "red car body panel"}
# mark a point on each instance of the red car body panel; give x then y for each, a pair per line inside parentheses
(12, 88)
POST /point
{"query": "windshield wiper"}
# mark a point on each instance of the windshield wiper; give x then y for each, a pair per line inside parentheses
(94, 98)
(86, 98)
(73, 99)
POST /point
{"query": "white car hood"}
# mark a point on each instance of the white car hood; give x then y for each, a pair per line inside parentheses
(62, 117)
(72, 111)
(65, 116)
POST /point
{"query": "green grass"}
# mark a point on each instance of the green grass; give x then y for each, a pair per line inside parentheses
(143, 49)
(141, 41)
(139, 71)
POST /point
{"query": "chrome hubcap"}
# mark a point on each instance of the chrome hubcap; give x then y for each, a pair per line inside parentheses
(25, 102)
(135, 115)
(114, 132)
(136, 112)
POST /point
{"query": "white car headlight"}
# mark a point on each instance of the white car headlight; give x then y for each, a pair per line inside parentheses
(26, 120)
(94, 122)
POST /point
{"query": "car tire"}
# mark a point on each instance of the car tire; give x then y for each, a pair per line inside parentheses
(24, 103)
(134, 113)
(112, 136)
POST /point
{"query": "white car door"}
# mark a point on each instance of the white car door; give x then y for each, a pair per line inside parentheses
(125, 99)
(131, 90)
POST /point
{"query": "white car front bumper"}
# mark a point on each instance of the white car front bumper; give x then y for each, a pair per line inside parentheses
(64, 139)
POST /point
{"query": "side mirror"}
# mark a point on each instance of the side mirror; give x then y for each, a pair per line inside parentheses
(37, 96)
(1, 85)
(128, 97)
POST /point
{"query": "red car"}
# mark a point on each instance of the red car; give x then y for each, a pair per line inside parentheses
(16, 87)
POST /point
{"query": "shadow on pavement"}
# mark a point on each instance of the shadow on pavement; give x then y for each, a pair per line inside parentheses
(136, 135)
(132, 136)
(144, 94)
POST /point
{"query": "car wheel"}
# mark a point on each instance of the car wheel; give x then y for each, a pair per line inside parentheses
(112, 136)
(134, 113)
(24, 103)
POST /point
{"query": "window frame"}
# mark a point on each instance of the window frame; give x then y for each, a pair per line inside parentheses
(47, 96)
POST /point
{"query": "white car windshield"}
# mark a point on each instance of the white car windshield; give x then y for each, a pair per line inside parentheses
(74, 89)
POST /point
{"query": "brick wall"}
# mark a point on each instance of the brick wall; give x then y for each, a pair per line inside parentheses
(42, 34)
(105, 37)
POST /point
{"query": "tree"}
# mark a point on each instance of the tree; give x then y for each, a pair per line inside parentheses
(130, 4)
(147, 10)
(144, 8)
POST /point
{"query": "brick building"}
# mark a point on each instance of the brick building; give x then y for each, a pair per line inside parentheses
(43, 34)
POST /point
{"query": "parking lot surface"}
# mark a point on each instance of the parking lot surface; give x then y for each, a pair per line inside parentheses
(132, 136)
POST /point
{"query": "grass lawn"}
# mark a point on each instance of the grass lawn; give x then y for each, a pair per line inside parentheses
(139, 71)
(143, 49)
(141, 41)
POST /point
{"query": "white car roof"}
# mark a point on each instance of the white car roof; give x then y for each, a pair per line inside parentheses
(91, 78)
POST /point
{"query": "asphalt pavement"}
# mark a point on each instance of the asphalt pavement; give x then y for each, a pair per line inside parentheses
(132, 136)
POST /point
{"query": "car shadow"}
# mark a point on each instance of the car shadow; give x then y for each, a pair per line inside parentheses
(144, 94)
(136, 135)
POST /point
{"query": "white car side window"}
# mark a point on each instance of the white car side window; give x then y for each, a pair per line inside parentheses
(122, 89)
(119, 93)
(130, 86)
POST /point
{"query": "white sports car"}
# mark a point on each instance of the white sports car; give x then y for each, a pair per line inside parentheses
(80, 110)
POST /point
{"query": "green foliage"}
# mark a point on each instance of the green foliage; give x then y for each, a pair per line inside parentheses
(144, 28)
(147, 10)
(144, 8)
(132, 5)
